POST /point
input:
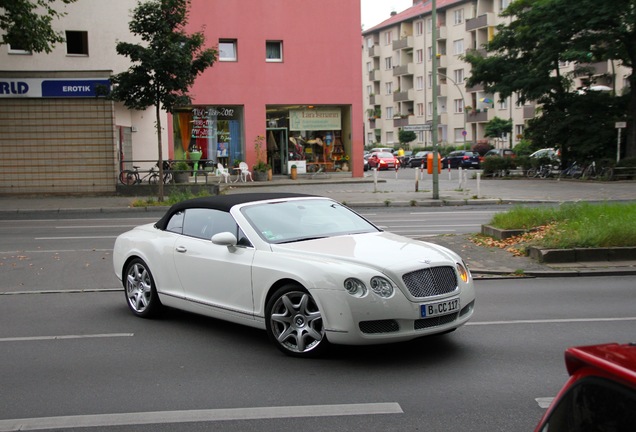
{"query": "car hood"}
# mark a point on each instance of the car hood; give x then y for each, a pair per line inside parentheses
(381, 251)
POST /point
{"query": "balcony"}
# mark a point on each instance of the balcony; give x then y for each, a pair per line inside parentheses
(477, 117)
(475, 88)
(486, 20)
(528, 111)
(404, 96)
(442, 61)
(404, 43)
(374, 75)
(442, 33)
(374, 51)
(406, 69)
(400, 121)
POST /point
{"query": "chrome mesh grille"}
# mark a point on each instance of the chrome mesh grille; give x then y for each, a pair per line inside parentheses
(431, 281)
(379, 326)
(434, 321)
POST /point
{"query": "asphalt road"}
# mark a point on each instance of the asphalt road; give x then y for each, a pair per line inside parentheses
(74, 356)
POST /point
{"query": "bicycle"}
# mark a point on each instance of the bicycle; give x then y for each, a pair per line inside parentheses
(131, 177)
(574, 170)
(592, 172)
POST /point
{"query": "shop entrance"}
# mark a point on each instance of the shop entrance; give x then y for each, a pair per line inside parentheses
(277, 149)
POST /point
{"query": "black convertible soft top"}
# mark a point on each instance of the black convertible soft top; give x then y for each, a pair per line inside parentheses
(224, 203)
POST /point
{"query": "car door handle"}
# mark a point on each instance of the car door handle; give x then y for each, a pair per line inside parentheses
(182, 249)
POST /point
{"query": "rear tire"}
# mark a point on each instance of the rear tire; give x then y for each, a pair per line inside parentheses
(140, 290)
(128, 177)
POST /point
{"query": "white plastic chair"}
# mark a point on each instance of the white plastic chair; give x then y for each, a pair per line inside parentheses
(245, 172)
(223, 172)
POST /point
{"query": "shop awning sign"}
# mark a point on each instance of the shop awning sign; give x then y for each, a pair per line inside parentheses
(58, 88)
(315, 119)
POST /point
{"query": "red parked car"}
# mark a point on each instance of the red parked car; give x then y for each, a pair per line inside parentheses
(600, 394)
(383, 161)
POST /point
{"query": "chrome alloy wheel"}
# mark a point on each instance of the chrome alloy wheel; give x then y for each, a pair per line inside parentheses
(295, 322)
(141, 294)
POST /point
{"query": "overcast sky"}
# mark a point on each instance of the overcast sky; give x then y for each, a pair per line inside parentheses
(376, 11)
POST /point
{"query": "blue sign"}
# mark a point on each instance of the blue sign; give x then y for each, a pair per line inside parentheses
(75, 88)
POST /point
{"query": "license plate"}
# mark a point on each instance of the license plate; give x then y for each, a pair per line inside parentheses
(439, 308)
(390, 165)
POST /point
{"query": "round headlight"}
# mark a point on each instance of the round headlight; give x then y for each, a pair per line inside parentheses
(464, 274)
(355, 287)
(382, 287)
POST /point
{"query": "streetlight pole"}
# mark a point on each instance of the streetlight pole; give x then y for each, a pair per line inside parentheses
(434, 85)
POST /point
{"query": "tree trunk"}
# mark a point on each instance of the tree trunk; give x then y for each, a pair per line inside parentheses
(160, 153)
(630, 141)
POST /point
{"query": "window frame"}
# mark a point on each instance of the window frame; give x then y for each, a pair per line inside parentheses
(76, 36)
(234, 44)
(280, 50)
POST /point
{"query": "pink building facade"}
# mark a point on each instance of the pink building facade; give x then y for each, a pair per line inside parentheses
(287, 83)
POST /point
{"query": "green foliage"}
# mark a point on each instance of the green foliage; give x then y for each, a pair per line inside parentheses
(406, 136)
(523, 148)
(629, 162)
(497, 127)
(481, 148)
(27, 24)
(496, 164)
(575, 225)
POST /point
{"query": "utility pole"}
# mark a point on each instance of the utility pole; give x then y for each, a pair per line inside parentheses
(434, 85)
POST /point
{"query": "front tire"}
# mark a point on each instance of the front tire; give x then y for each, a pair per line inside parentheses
(139, 288)
(294, 322)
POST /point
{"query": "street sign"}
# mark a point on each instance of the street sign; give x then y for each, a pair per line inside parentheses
(418, 127)
(621, 125)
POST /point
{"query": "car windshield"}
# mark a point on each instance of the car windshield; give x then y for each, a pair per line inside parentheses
(299, 220)
(385, 155)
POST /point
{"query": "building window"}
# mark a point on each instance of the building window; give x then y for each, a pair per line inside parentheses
(459, 105)
(77, 42)
(420, 110)
(430, 110)
(458, 16)
(388, 63)
(458, 76)
(370, 138)
(419, 28)
(503, 103)
(429, 25)
(370, 42)
(429, 53)
(504, 4)
(519, 131)
(430, 80)
(458, 134)
(388, 38)
(389, 88)
(419, 83)
(389, 137)
(369, 90)
(274, 51)
(419, 56)
(389, 112)
(17, 49)
(227, 50)
(458, 47)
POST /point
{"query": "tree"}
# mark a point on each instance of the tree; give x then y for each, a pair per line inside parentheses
(526, 57)
(165, 66)
(498, 127)
(406, 137)
(24, 26)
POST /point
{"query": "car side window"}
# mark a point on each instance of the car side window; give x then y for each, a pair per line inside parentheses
(205, 223)
(175, 224)
(594, 404)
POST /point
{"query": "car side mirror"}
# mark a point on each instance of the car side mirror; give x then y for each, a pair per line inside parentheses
(224, 239)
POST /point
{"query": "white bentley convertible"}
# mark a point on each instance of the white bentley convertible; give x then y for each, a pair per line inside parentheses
(307, 269)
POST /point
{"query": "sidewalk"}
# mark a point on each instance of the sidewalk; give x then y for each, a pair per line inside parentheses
(399, 192)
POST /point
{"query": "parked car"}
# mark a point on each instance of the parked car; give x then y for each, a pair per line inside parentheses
(600, 394)
(366, 164)
(419, 159)
(461, 158)
(383, 161)
(381, 149)
(501, 153)
(546, 153)
(306, 269)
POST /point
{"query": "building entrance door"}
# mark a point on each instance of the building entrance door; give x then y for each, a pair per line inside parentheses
(277, 149)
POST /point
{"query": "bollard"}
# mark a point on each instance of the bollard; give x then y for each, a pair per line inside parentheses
(417, 178)
(459, 177)
(375, 179)
(478, 185)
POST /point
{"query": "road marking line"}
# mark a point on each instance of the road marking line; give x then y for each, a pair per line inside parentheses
(162, 417)
(61, 337)
(551, 321)
(544, 402)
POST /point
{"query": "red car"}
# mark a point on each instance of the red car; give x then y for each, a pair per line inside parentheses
(383, 161)
(600, 394)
